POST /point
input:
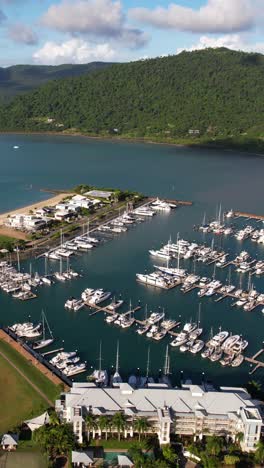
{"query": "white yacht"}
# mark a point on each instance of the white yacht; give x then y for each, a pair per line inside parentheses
(99, 296)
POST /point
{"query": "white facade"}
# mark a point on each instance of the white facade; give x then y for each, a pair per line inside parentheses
(191, 410)
(27, 222)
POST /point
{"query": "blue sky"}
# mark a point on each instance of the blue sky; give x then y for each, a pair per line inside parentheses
(80, 31)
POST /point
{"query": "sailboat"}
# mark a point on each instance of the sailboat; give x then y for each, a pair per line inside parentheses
(44, 341)
(100, 376)
(144, 381)
(45, 278)
(59, 275)
(165, 379)
(117, 379)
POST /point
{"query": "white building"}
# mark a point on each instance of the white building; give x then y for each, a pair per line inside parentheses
(27, 222)
(190, 410)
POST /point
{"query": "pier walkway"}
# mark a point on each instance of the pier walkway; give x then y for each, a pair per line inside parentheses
(253, 360)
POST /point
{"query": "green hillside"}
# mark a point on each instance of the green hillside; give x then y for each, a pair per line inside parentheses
(219, 93)
(22, 78)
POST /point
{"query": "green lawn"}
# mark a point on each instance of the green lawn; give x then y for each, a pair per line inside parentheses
(19, 400)
(45, 385)
(27, 459)
(115, 443)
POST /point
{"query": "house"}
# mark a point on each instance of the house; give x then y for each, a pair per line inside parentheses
(9, 442)
(82, 458)
(192, 410)
(27, 222)
(37, 422)
(123, 461)
(103, 194)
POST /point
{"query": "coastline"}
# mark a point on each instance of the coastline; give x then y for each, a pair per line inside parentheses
(213, 145)
(25, 210)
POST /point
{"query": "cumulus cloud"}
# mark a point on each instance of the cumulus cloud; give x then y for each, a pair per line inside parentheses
(231, 41)
(73, 51)
(216, 16)
(100, 18)
(22, 34)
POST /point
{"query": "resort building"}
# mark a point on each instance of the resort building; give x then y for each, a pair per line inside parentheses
(27, 222)
(191, 410)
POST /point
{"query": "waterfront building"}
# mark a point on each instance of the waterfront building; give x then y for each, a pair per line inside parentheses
(191, 410)
(27, 222)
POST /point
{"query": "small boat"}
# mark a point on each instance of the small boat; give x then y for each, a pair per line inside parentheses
(238, 360)
(115, 305)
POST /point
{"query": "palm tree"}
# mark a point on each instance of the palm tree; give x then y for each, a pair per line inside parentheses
(259, 454)
(141, 425)
(108, 427)
(102, 423)
(54, 419)
(119, 422)
(239, 437)
(90, 424)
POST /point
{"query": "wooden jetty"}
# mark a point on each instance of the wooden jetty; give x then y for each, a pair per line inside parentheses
(254, 360)
(107, 311)
(241, 214)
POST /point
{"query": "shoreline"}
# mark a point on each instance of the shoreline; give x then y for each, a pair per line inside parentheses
(5, 230)
(118, 139)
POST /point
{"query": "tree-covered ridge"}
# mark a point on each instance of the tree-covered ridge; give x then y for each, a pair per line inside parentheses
(23, 78)
(217, 92)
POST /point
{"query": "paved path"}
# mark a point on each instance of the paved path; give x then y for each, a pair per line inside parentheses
(27, 379)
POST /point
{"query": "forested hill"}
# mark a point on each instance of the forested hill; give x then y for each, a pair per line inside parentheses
(22, 78)
(214, 93)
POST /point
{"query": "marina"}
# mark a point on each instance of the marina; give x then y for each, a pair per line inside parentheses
(114, 265)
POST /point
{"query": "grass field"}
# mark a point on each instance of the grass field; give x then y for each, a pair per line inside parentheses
(26, 459)
(19, 400)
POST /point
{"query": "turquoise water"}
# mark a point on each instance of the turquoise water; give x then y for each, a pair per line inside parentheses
(205, 177)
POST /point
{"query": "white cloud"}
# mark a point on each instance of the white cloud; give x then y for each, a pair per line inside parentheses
(73, 51)
(100, 18)
(216, 16)
(22, 34)
(231, 41)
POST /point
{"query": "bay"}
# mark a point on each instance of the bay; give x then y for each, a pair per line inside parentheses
(199, 175)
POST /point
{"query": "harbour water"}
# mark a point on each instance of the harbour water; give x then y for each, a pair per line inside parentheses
(205, 177)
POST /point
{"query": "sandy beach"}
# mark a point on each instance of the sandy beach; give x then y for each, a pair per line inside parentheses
(5, 231)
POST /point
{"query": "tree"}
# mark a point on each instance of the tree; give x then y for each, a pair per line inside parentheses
(54, 419)
(141, 426)
(119, 422)
(138, 457)
(254, 388)
(170, 455)
(90, 424)
(209, 461)
(55, 439)
(239, 438)
(231, 459)
(102, 423)
(214, 445)
(259, 454)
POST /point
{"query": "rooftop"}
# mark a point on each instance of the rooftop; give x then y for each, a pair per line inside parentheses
(189, 399)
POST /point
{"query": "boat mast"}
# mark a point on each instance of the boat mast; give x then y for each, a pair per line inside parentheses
(88, 229)
(61, 266)
(117, 358)
(199, 314)
(47, 323)
(43, 326)
(178, 259)
(18, 260)
(148, 362)
(46, 268)
(100, 357)
(166, 368)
